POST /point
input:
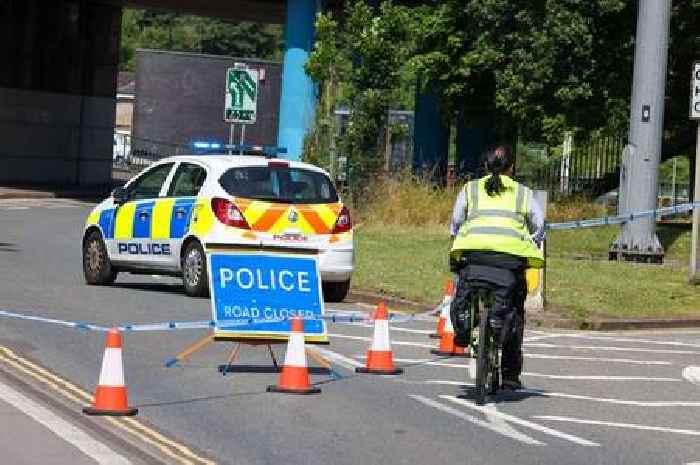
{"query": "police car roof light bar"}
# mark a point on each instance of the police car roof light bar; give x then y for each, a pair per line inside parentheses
(212, 148)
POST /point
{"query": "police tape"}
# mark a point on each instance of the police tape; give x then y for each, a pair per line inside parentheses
(619, 219)
(198, 324)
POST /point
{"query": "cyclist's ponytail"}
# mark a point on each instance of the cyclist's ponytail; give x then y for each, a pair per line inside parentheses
(498, 161)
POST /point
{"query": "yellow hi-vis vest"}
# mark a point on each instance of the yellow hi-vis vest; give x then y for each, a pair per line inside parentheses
(498, 223)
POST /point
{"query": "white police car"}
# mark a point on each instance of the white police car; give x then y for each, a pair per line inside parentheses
(164, 218)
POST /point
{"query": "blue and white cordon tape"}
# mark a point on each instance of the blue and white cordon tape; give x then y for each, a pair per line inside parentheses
(619, 219)
(197, 324)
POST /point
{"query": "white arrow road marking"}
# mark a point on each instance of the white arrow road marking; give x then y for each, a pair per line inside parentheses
(692, 374)
(340, 359)
(393, 343)
(600, 378)
(545, 345)
(491, 410)
(636, 403)
(498, 427)
(687, 432)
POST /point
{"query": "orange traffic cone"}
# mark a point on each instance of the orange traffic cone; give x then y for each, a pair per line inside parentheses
(294, 378)
(444, 309)
(110, 395)
(380, 359)
(447, 343)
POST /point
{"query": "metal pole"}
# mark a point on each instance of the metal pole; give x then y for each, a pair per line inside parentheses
(695, 240)
(242, 137)
(673, 182)
(230, 138)
(638, 240)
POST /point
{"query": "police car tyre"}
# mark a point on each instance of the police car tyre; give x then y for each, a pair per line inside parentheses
(335, 291)
(97, 267)
(194, 270)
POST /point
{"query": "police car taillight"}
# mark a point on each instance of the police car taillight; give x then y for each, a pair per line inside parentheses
(228, 213)
(344, 222)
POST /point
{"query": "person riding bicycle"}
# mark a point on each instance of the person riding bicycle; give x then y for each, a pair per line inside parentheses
(496, 226)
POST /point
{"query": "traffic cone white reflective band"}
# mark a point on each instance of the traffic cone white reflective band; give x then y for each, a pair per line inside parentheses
(444, 309)
(380, 359)
(380, 341)
(112, 373)
(294, 378)
(110, 395)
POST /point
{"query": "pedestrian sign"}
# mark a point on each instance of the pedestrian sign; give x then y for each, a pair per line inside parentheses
(254, 295)
(241, 105)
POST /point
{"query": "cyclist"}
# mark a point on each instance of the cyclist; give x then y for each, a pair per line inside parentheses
(496, 226)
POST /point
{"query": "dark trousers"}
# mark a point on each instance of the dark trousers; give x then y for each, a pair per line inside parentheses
(506, 275)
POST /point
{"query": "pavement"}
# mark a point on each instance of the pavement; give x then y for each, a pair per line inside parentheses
(591, 397)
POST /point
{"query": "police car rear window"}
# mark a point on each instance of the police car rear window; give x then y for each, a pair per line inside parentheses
(279, 184)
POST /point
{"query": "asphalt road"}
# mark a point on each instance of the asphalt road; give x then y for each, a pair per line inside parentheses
(608, 398)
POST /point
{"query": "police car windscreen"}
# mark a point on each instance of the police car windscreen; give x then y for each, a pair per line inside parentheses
(279, 184)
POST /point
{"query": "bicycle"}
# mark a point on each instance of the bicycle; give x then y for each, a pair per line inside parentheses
(477, 298)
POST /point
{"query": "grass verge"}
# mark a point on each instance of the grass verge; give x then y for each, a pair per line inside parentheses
(411, 262)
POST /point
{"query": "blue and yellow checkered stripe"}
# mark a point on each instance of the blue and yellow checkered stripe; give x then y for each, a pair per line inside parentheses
(153, 219)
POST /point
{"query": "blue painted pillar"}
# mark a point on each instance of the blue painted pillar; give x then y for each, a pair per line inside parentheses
(298, 97)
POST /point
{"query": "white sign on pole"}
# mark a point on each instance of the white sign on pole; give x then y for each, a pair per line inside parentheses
(695, 92)
(241, 95)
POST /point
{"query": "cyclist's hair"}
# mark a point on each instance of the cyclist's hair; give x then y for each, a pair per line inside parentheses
(498, 161)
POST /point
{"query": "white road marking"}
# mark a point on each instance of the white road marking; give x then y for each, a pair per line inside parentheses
(692, 374)
(540, 337)
(636, 403)
(340, 359)
(369, 339)
(662, 429)
(497, 427)
(425, 361)
(597, 359)
(626, 339)
(491, 410)
(16, 208)
(601, 378)
(545, 345)
(69, 433)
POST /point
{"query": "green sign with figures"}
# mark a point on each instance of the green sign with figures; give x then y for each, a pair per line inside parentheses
(241, 95)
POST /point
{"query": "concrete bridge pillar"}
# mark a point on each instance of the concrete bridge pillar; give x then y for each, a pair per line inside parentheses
(298, 98)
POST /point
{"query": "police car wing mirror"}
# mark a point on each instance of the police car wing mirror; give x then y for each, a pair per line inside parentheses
(120, 195)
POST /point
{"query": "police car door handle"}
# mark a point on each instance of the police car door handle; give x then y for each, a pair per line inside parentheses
(180, 211)
(143, 215)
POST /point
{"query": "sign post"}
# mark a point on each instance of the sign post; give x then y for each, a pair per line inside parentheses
(695, 115)
(241, 100)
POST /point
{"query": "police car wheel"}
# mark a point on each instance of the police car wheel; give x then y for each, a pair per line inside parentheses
(96, 265)
(335, 292)
(194, 271)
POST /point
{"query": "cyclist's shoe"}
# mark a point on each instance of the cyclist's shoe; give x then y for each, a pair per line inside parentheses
(461, 338)
(512, 384)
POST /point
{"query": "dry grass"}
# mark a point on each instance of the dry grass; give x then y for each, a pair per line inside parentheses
(574, 208)
(406, 201)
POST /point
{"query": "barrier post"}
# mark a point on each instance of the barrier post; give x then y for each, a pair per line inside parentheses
(535, 301)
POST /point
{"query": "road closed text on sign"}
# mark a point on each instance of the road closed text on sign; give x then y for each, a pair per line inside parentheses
(255, 294)
(695, 92)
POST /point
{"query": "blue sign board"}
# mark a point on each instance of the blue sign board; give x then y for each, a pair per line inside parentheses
(255, 294)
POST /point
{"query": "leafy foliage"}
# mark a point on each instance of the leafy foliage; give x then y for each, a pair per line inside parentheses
(180, 32)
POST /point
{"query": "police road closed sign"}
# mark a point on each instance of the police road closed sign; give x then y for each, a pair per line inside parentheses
(255, 295)
(695, 92)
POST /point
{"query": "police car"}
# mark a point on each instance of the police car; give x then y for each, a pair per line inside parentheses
(163, 219)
